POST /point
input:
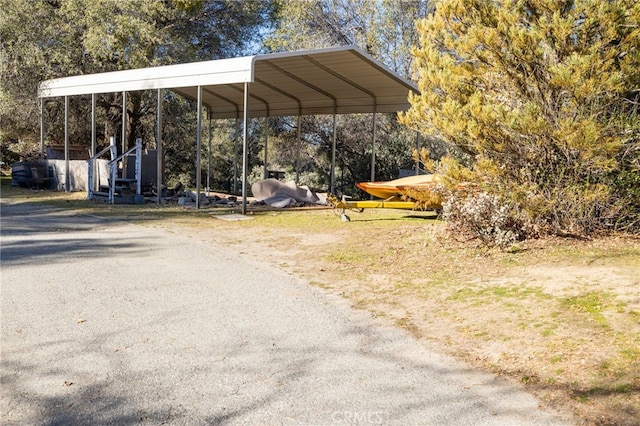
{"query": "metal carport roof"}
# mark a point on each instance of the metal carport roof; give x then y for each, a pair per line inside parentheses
(338, 80)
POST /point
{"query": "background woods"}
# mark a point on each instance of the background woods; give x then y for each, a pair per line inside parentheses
(49, 39)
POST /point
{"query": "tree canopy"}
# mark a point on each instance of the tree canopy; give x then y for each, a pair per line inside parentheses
(57, 38)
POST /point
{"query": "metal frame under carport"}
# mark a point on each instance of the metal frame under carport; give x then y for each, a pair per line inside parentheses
(333, 81)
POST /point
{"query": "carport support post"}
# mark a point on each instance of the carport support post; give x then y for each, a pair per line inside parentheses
(93, 125)
(124, 128)
(333, 156)
(298, 142)
(373, 146)
(266, 145)
(159, 146)
(41, 127)
(209, 153)
(245, 148)
(198, 146)
(67, 186)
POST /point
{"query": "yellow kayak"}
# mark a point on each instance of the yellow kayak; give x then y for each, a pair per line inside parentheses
(393, 188)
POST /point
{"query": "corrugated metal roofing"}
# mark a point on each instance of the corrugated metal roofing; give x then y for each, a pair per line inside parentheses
(324, 81)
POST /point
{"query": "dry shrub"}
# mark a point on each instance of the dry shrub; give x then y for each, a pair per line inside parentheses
(478, 214)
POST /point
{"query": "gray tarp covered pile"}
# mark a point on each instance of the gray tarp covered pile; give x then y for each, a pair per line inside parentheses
(278, 194)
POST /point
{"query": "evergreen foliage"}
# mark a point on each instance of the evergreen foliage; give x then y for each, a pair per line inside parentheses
(542, 96)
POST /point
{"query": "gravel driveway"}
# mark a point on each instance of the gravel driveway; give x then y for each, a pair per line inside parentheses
(106, 321)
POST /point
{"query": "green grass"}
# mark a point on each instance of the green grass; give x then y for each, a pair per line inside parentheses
(351, 256)
(556, 359)
(631, 354)
(549, 330)
(594, 256)
(498, 293)
(592, 304)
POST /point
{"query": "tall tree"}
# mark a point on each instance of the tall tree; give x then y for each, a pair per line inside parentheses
(382, 28)
(544, 96)
(41, 40)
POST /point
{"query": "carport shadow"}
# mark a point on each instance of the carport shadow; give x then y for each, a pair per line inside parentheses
(391, 219)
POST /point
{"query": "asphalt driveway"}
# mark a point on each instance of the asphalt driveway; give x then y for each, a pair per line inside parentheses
(105, 321)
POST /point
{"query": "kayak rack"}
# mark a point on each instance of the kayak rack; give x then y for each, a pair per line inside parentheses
(389, 203)
(343, 205)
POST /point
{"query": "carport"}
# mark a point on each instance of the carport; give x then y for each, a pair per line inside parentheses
(339, 80)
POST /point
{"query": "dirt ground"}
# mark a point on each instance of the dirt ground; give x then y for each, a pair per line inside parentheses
(561, 316)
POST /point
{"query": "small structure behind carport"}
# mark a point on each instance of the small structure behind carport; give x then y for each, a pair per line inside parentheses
(339, 80)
